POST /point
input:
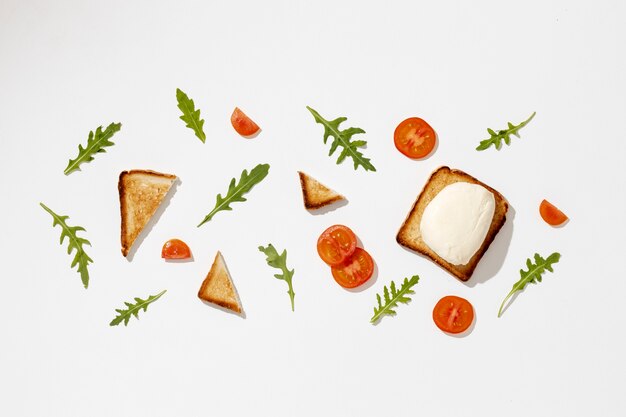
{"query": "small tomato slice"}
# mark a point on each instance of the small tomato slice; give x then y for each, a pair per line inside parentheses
(336, 244)
(414, 138)
(175, 249)
(242, 123)
(550, 214)
(355, 271)
(453, 314)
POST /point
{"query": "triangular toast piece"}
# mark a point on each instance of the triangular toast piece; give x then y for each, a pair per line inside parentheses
(218, 287)
(315, 194)
(141, 194)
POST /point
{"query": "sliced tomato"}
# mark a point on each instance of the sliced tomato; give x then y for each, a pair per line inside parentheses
(355, 271)
(175, 249)
(336, 244)
(551, 215)
(453, 314)
(243, 124)
(414, 138)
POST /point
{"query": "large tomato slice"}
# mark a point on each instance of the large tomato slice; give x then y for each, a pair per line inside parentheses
(414, 138)
(243, 124)
(551, 215)
(355, 271)
(453, 314)
(336, 244)
(175, 249)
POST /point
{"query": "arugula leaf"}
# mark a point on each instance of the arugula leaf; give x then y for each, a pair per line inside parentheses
(532, 275)
(95, 144)
(134, 309)
(190, 116)
(343, 139)
(496, 138)
(392, 300)
(74, 242)
(280, 262)
(236, 191)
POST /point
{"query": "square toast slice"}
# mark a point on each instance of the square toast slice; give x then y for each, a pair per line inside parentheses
(410, 235)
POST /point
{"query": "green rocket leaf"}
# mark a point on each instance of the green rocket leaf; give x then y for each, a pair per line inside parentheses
(343, 138)
(96, 142)
(533, 275)
(133, 309)
(237, 190)
(280, 262)
(74, 243)
(190, 116)
(496, 138)
(393, 298)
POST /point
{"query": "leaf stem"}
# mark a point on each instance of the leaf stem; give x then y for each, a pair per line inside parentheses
(513, 291)
(291, 295)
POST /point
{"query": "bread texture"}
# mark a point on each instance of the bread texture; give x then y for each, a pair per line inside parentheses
(315, 194)
(141, 194)
(410, 236)
(218, 287)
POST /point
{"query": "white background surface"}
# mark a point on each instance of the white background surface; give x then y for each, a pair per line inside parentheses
(68, 66)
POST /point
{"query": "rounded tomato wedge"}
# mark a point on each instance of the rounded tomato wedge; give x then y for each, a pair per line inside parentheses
(355, 271)
(414, 138)
(453, 314)
(243, 124)
(551, 215)
(175, 249)
(336, 244)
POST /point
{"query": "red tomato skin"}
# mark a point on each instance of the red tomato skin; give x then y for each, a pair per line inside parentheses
(415, 138)
(336, 244)
(243, 124)
(551, 215)
(175, 249)
(451, 309)
(355, 271)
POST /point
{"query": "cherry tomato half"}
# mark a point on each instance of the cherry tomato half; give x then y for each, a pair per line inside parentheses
(336, 244)
(355, 271)
(551, 215)
(453, 314)
(175, 249)
(242, 123)
(414, 138)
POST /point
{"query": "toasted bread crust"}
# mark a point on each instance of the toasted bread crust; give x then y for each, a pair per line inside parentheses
(218, 287)
(125, 234)
(409, 235)
(313, 190)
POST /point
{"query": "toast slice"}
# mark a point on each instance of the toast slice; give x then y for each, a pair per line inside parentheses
(409, 234)
(218, 287)
(141, 194)
(315, 194)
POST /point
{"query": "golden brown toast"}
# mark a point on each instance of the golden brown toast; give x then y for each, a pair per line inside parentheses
(409, 234)
(218, 287)
(141, 194)
(315, 194)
